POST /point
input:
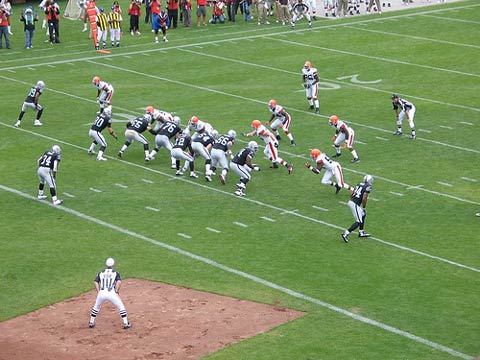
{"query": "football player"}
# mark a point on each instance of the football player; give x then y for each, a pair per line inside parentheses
(160, 116)
(403, 108)
(31, 101)
(282, 120)
(104, 93)
(332, 169)
(310, 83)
(300, 10)
(357, 203)
(134, 131)
(198, 126)
(163, 134)
(271, 145)
(242, 165)
(221, 148)
(201, 146)
(343, 134)
(179, 152)
(47, 172)
(102, 121)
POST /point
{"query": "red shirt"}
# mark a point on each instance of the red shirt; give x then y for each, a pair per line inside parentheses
(201, 2)
(172, 4)
(155, 7)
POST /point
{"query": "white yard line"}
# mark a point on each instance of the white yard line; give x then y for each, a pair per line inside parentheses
(258, 280)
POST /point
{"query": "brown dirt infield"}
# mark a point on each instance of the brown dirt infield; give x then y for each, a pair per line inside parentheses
(168, 322)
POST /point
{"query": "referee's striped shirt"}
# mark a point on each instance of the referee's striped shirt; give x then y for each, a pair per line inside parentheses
(114, 20)
(102, 21)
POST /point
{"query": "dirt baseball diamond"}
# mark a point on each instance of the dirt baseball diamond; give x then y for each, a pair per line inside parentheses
(168, 322)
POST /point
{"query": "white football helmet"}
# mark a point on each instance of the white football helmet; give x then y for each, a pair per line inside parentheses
(177, 120)
(107, 111)
(252, 145)
(232, 133)
(40, 84)
(56, 149)
(368, 179)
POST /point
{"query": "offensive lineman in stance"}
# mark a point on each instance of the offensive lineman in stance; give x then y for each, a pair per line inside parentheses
(102, 121)
(47, 171)
(108, 283)
(357, 203)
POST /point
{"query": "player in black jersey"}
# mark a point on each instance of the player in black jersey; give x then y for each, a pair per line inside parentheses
(221, 148)
(31, 101)
(182, 150)
(134, 131)
(357, 203)
(201, 145)
(47, 172)
(102, 121)
(163, 133)
(242, 165)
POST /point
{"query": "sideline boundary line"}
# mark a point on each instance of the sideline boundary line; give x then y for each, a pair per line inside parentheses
(248, 276)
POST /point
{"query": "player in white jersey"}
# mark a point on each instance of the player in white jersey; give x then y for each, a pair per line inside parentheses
(332, 169)
(271, 145)
(329, 5)
(312, 5)
(160, 116)
(343, 134)
(310, 83)
(198, 126)
(108, 283)
(404, 108)
(300, 10)
(280, 119)
(104, 94)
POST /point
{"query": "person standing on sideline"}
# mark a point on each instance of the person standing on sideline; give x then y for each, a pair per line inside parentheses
(160, 22)
(403, 108)
(300, 10)
(5, 4)
(31, 101)
(357, 203)
(102, 26)
(28, 17)
(376, 8)
(343, 134)
(172, 7)
(282, 119)
(115, 24)
(4, 16)
(283, 12)
(332, 168)
(108, 283)
(310, 83)
(47, 172)
(187, 12)
(147, 11)
(134, 12)
(53, 16)
(82, 5)
(102, 121)
(202, 12)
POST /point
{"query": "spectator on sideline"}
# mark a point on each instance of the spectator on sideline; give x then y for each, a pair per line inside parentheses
(5, 4)
(155, 7)
(82, 5)
(187, 13)
(217, 12)
(4, 27)
(283, 13)
(202, 12)
(53, 17)
(134, 12)
(262, 12)
(172, 7)
(147, 11)
(28, 17)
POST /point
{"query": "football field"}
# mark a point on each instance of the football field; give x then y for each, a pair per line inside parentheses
(410, 291)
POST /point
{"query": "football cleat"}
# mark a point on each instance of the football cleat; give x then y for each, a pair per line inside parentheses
(344, 237)
(278, 137)
(17, 124)
(338, 188)
(239, 193)
(120, 154)
(58, 202)
(173, 166)
(312, 107)
(208, 178)
(91, 152)
(274, 166)
(398, 132)
(293, 143)
(413, 137)
(317, 110)
(147, 158)
(127, 326)
(91, 325)
(337, 155)
(240, 185)
(356, 160)
(37, 123)
(193, 175)
(363, 234)
(179, 173)
(41, 197)
(222, 179)
(101, 158)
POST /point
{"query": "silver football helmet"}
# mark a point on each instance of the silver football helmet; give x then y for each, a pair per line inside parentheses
(176, 120)
(107, 111)
(368, 179)
(252, 145)
(232, 133)
(56, 149)
(40, 84)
